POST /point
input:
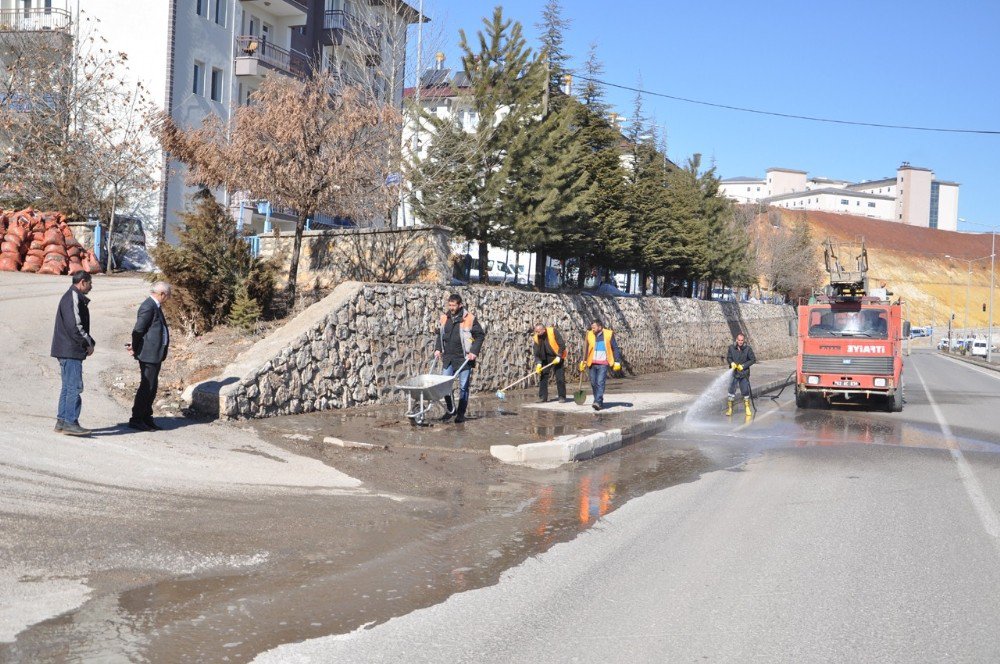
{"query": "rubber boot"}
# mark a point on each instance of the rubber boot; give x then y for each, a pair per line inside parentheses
(449, 409)
(746, 404)
(729, 407)
(460, 414)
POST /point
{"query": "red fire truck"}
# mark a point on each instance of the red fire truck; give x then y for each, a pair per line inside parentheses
(850, 337)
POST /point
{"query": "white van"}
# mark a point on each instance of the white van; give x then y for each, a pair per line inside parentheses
(978, 348)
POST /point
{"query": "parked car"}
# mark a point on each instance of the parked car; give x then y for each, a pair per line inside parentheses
(978, 348)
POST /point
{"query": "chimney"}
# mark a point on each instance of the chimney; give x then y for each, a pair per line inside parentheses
(438, 61)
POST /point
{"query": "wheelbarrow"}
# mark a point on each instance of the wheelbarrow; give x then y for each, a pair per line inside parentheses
(425, 391)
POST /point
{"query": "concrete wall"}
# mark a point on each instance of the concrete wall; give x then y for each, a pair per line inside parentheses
(413, 255)
(352, 347)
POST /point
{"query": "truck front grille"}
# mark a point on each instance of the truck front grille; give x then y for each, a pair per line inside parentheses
(840, 364)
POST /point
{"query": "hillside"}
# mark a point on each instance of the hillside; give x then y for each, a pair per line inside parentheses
(913, 263)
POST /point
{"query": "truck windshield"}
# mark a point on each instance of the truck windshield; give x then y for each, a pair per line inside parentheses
(825, 322)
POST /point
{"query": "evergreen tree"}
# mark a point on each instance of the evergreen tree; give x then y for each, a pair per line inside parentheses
(507, 81)
(592, 94)
(245, 312)
(553, 27)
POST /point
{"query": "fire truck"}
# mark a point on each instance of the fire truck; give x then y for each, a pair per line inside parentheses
(850, 337)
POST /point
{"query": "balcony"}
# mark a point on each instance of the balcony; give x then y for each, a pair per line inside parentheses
(256, 57)
(338, 19)
(42, 19)
(279, 8)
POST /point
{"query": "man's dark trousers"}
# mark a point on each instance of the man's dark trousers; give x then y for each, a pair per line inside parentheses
(142, 407)
(543, 383)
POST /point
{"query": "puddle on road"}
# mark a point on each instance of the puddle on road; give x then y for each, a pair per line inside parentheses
(347, 562)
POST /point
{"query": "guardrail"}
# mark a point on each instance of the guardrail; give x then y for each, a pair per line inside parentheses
(253, 46)
(41, 19)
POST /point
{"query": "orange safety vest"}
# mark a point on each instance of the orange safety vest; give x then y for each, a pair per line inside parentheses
(592, 343)
(464, 329)
(550, 333)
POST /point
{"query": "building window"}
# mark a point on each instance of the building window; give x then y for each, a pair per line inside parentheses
(198, 85)
(900, 217)
(844, 201)
(871, 205)
(758, 188)
(201, 7)
(216, 84)
(748, 188)
(220, 11)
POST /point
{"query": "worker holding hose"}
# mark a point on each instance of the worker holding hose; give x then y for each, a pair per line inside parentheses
(460, 338)
(550, 348)
(740, 358)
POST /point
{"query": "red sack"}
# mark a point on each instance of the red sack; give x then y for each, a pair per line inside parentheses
(55, 249)
(49, 268)
(53, 236)
(31, 267)
(9, 263)
(74, 251)
(74, 266)
(10, 247)
(55, 258)
(37, 253)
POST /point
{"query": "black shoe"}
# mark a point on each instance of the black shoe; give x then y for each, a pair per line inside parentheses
(59, 426)
(74, 429)
(138, 425)
(153, 426)
(596, 406)
(541, 400)
(460, 413)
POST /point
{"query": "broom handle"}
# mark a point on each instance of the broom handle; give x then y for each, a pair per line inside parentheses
(520, 380)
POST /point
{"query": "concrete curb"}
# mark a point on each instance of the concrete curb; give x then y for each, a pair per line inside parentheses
(973, 362)
(583, 446)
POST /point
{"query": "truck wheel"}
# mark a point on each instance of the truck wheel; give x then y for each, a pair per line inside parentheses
(897, 399)
(801, 399)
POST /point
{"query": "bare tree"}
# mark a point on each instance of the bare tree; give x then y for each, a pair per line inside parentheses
(76, 131)
(310, 144)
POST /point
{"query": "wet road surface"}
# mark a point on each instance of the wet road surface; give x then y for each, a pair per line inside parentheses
(792, 534)
(826, 535)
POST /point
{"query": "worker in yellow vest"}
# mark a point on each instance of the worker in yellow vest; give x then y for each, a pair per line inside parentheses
(460, 339)
(602, 354)
(550, 348)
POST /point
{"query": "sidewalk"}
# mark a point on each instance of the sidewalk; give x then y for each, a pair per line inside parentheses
(521, 431)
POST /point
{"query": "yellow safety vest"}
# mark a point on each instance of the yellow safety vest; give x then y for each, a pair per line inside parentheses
(592, 343)
(550, 333)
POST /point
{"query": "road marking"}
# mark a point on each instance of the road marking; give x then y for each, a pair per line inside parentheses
(987, 515)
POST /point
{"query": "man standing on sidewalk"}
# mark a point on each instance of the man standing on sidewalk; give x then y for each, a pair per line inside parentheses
(71, 345)
(460, 338)
(740, 358)
(550, 347)
(602, 353)
(150, 342)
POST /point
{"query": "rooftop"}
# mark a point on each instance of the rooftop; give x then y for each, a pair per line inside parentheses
(829, 190)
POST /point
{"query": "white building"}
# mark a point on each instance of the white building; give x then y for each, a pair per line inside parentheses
(202, 57)
(913, 197)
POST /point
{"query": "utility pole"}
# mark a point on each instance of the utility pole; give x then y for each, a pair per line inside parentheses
(989, 335)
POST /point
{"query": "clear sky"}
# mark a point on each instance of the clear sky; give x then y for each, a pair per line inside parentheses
(920, 62)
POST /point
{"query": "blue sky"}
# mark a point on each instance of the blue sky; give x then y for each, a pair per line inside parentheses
(914, 63)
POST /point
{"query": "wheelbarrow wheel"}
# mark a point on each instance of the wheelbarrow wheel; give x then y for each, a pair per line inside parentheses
(417, 420)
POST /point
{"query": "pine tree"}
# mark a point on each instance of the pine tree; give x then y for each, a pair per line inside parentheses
(553, 27)
(245, 312)
(462, 181)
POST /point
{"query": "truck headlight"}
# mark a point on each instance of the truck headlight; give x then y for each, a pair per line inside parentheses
(813, 380)
(880, 382)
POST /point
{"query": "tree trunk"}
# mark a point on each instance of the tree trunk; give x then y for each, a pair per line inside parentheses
(484, 258)
(293, 268)
(540, 261)
(643, 276)
(111, 229)
(581, 275)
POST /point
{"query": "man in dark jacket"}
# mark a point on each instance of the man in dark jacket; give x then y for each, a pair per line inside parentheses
(740, 358)
(71, 345)
(549, 347)
(460, 338)
(150, 342)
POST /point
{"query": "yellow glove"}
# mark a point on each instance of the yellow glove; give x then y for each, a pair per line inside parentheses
(739, 367)
(583, 367)
(538, 368)
(616, 367)
(732, 365)
(557, 360)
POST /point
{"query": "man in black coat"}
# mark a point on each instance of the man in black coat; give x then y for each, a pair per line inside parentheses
(460, 338)
(549, 348)
(150, 342)
(740, 357)
(71, 345)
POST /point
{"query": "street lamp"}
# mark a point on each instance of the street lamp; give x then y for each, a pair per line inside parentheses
(993, 260)
(968, 283)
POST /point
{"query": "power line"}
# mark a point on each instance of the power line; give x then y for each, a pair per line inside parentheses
(793, 116)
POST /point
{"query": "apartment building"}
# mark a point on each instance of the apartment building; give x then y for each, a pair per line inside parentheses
(913, 197)
(202, 57)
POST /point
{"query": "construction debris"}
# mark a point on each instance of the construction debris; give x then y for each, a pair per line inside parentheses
(42, 242)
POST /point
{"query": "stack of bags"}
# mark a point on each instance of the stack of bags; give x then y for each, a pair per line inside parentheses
(41, 242)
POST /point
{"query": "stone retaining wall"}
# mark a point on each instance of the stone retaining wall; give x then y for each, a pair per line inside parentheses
(331, 257)
(353, 346)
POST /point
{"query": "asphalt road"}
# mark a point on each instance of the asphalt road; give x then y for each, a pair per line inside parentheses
(843, 536)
